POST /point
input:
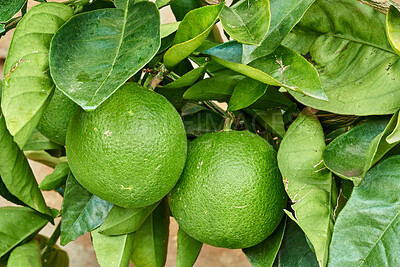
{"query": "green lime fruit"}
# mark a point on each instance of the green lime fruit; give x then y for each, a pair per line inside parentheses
(231, 192)
(56, 117)
(129, 151)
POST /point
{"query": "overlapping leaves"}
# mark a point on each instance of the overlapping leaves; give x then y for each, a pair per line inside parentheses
(348, 45)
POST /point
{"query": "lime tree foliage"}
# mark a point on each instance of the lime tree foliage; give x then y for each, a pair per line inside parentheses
(264, 125)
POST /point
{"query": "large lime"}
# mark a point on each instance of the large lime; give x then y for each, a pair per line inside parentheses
(131, 150)
(231, 192)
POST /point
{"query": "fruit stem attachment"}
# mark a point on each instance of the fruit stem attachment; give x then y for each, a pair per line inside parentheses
(229, 119)
(157, 79)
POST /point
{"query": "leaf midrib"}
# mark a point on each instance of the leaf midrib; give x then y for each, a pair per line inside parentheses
(359, 42)
(380, 237)
(117, 52)
(243, 23)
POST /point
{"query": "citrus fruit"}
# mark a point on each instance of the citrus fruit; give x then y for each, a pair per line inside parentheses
(231, 192)
(129, 151)
(56, 117)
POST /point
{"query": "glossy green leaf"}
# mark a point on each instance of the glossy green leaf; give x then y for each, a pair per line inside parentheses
(370, 221)
(27, 85)
(188, 79)
(8, 8)
(121, 221)
(162, 3)
(91, 55)
(246, 92)
(352, 154)
(393, 28)
(284, 16)
(57, 178)
(264, 254)
(192, 31)
(168, 29)
(295, 250)
(16, 173)
(348, 46)
(112, 251)
(270, 119)
(181, 7)
(308, 183)
(26, 255)
(284, 67)
(247, 21)
(151, 240)
(219, 87)
(81, 211)
(394, 136)
(188, 249)
(16, 225)
(38, 141)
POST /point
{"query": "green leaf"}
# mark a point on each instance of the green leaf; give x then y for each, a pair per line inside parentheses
(168, 29)
(308, 183)
(264, 254)
(295, 250)
(121, 221)
(284, 67)
(151, 240)
(38, 141)
(188, 249)
(91, 63)
(112, 251)
(8, 8)
(16, 173)
(162, 3)
(188, 78)
(393, 28)
(81, 211)
(27, 85)
(56, 179)
(352, 154)
(202, 122)
(219, 87)
(284, 16)
(16, 225)
(247, 21)
(348, 46)
(246, 92)
(56, 257)
(181, 7)
(7, 195)
(370, 221)
(192, 31)
(26, 255)
(270, 119)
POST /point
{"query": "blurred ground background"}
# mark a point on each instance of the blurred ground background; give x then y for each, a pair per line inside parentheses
(81, 251)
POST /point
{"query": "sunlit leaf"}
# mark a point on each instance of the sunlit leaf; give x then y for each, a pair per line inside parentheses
(121, 221)
(27, 85)
(348, 46)
(308, 183)
(112, 251)
(26, 255)
(151, 240)
(91, 55)
(192, 31)
(188, 249)
(247, 21)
